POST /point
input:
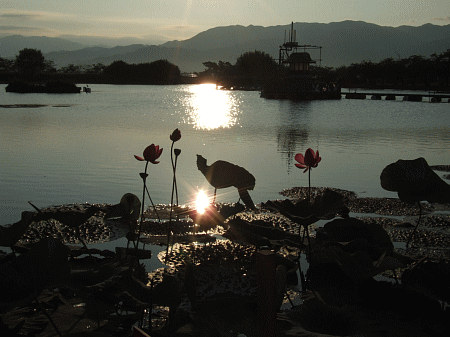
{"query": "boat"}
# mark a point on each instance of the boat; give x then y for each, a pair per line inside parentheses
(47, 88)
(296, 81)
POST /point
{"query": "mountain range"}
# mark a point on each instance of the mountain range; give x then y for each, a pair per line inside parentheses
(343, 43)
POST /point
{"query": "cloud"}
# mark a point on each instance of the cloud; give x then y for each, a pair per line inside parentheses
(447, 19)
(12, 28)
(17, 16)
(181, 27)
(25, 30)
(13, 14)
(50, 23)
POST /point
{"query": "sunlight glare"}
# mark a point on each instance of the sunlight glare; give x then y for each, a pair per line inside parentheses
(202, 202)
(212, 108)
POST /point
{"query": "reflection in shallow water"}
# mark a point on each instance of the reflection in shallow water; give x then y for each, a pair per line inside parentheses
(211, 108)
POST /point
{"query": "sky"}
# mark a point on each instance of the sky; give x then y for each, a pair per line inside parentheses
(183, 19)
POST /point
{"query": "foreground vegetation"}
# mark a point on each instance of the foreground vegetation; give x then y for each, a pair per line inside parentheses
(244, 285)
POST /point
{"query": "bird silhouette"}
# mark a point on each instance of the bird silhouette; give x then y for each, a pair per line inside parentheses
(222, 174)
(71, 218)
(11, 234)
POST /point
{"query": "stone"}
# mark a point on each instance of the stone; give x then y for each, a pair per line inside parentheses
(415, 181)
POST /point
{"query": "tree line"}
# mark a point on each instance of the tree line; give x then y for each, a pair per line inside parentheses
(414, 72)
(30, 65)
(255, 68)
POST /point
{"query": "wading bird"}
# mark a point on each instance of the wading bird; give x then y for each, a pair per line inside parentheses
(222, 174)
(71, 218)
(10, 235)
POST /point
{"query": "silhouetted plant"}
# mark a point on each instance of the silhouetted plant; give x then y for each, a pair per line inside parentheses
(174, 137)
(151, 154)
(307, 162)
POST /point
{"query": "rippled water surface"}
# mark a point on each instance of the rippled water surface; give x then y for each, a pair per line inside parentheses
(80, 147)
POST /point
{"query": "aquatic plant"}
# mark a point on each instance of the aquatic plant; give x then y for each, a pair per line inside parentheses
(415, 181)
(151, 154)
(174, 137)
(308, 162)
(325, 206)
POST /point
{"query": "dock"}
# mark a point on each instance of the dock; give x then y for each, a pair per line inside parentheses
(432, 97)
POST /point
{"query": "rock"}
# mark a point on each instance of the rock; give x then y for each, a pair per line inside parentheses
(23, 278)
(415, 181)
(404, 225)
(346, 230)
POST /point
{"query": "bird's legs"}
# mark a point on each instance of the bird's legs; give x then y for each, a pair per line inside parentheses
(78, 234)
(417, 225)
(214, 199)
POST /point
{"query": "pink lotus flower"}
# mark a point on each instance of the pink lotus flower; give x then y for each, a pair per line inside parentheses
(176, 135)
(309, 160)
(151, 153)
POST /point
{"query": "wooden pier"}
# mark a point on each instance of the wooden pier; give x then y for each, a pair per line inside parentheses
(432, 97)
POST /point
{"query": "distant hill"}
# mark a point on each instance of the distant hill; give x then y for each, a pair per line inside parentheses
(11, 45)
(100, 41)
(92, 55)
(343, 43)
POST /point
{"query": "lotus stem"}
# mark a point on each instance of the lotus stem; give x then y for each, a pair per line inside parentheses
(302, 276)
(309, 185)
(171, 201)
(175, 180)
(48, 317)
(154, 207)
(144, 179)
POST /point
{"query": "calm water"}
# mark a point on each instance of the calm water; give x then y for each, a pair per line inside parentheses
(80, 148)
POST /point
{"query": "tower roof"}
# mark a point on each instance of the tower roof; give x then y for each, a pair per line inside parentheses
(299, 58)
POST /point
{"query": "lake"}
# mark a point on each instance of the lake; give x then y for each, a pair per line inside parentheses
(80, 147)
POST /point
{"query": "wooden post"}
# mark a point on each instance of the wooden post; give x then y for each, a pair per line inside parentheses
(267, 293)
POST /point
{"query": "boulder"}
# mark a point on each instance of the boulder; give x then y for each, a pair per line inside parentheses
(415, 181)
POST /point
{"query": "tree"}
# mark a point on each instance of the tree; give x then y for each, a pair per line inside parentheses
(164, 72)
(256, 64)
(157, 72)
(95, 68)
(49, 67)
(29, 62)
(72, 69)
(323, 74)
(6, 65)
(217, 70)
(117, 70)
(211, 68)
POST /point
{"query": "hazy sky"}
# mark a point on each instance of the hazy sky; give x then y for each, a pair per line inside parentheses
(182, 19)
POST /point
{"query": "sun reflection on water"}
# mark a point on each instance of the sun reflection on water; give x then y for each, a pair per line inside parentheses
(212, 108)
(202, 202)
